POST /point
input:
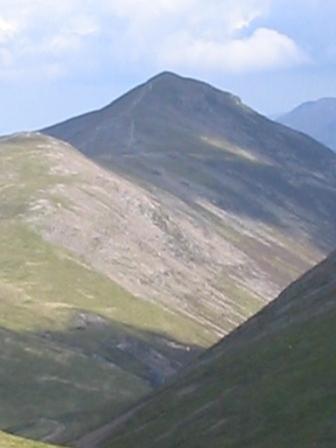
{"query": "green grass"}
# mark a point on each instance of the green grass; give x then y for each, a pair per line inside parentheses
(271, 384)
(42, 289)
(45, 278)
(49, 275)
(24, 175)
(57, 375)
(9, 441)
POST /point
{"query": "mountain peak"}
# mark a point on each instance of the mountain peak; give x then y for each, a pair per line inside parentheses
(169, 79)
(201, 154)
(166, 75)
(169, 85)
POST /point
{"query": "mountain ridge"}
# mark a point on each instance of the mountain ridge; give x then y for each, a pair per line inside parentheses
(226, 171)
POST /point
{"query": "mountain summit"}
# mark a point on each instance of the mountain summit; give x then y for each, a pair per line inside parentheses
(236, 206)
(155, 114)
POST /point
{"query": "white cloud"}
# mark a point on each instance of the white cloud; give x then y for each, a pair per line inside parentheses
(146, 10)
(210, 35)
(263, 49)
(8, 28)
(191, 11)
(44, 38)
(68, 40)
(217, 34)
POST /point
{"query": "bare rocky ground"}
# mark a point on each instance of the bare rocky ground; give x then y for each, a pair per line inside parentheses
(205, 262)
(202, 204)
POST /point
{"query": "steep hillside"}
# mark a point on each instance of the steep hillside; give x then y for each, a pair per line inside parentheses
(315, 118)
(270, 383)
(239, 206)
(73, 342)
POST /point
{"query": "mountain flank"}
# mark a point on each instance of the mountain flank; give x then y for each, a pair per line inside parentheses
(269, 383)
(69, 334)
(240, 206)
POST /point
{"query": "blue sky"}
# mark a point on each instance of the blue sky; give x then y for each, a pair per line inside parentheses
(60, 58)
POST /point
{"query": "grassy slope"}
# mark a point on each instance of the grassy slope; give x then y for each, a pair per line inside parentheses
(61, 322)
(8, 441)
(271, 383)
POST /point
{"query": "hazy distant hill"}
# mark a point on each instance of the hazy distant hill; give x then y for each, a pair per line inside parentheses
(240, 205)
(270, 383)
(315, 118)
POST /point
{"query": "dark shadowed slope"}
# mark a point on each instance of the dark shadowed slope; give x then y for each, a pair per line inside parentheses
(239, 206)
(270, 383)
(315, 118)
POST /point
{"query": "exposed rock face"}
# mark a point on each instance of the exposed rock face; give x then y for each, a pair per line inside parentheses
(209, 207)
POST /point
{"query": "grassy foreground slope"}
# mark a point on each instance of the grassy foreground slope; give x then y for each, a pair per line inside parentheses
(270, 383)
(73, 342)
(9, 441)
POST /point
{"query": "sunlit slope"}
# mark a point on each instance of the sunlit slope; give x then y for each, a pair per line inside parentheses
(9, 441)
(270, 383)
(237, 206)
(73, 342)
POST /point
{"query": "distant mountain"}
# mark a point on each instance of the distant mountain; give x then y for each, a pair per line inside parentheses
(239, 207)
(315, 118)
(72, 340)
(270, 383)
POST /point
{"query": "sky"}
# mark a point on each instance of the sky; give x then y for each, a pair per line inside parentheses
(61, 58)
